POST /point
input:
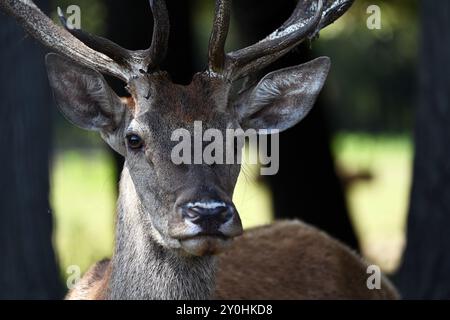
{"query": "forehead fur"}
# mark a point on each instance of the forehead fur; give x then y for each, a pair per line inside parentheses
(201, 100)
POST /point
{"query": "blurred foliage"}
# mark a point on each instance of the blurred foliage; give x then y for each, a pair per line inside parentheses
(372, 84)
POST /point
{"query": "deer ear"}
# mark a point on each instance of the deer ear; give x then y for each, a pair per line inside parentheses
(86, 100)
(284, 97)
(83, 95)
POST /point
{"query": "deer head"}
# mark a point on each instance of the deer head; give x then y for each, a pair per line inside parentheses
(186, 207)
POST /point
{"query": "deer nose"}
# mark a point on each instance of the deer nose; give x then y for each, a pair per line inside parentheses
(215, 212)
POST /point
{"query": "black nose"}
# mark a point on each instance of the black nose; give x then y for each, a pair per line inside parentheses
(211, 212)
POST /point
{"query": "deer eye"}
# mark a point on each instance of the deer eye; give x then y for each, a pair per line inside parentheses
(134, 141)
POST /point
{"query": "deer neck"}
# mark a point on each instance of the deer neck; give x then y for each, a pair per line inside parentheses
(141, 268)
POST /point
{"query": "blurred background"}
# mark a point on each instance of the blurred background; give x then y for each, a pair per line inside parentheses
(348, 168)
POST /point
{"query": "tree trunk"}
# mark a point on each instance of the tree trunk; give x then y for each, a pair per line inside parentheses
(28, 268)
(426, 263)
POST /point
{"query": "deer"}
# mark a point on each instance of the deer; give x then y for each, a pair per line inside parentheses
(178, 234)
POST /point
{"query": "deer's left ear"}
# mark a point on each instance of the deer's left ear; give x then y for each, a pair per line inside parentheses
(284, 97)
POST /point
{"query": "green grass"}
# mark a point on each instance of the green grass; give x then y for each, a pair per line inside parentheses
(84, 194)
(83, 200)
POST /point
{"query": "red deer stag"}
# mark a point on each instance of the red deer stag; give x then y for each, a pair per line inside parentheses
(174, 220)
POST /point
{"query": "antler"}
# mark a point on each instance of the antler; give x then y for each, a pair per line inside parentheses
(90, 50)
(218, 37)
(104, 55)
(161, 27)
(305, 22)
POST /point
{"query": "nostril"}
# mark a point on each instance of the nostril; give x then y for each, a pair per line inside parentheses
(199, 212)
(228, 213)
(191, 214)
(221, 214)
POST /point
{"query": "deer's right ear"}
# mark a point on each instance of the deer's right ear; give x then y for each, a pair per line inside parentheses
(85, 98)
(83, 95)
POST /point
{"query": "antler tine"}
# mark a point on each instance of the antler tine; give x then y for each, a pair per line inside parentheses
(161, 29)
(305, 22)
(255, 57)
(334, 10)
(135, 61)
(120, 55)
(39, 26)
(216, 51)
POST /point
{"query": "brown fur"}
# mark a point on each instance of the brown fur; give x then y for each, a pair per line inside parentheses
(292, 260)
(129, 102)
(93, 284)
(285, 260)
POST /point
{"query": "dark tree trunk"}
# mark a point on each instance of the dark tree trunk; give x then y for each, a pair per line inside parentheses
(306, 186)
(133, 30)
(426, 263)
(28, 267)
